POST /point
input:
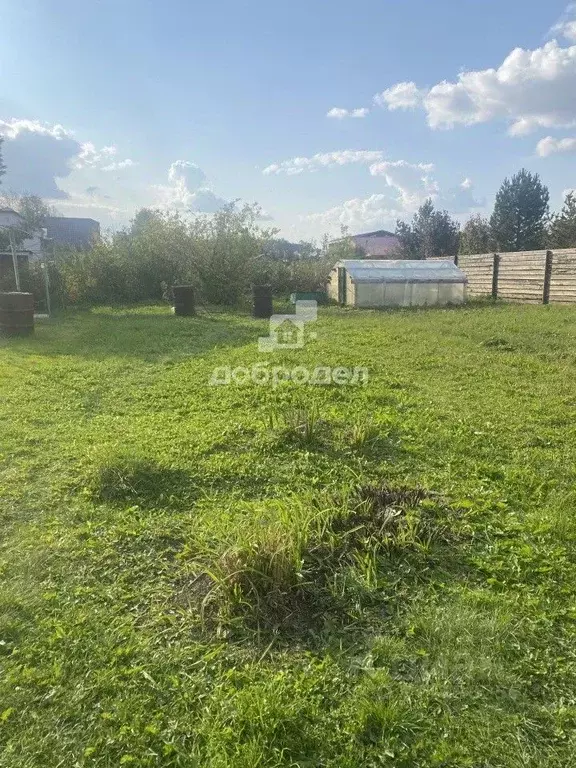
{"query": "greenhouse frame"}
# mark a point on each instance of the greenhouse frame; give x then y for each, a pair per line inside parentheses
(397, 283)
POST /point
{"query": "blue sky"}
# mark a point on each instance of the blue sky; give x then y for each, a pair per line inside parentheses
(112, 105)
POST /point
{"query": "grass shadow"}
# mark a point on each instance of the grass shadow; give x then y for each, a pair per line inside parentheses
(129, 480)
(143, 335)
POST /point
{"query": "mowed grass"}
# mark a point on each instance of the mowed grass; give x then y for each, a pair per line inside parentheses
(250, 576)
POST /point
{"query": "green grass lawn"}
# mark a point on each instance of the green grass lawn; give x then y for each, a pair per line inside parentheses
(299, 575)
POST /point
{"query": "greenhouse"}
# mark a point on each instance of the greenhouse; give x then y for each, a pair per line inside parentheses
(397, 283)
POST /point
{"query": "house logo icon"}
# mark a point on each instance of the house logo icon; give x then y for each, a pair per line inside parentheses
(287, 331)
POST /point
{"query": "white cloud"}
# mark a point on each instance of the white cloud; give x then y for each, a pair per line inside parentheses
(412, 181)
(90, 157)
(460, 199)
(298, 165)
(13, 127)
(206, 201)
(120, 165)
(410, 184)
(185, 190)
(338, 113)
(566, 24)
(550, 146)
(38, 155)
(183, 171)
(358, 213)
(530, 89)
(400, 96)
(81, 202)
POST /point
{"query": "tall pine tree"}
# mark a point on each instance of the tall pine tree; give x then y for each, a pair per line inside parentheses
(476, 236)
(563, 225)
(518, 222)
(431, 233)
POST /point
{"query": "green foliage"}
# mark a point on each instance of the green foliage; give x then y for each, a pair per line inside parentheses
(181, 586)
(343, 248)
(431, 233)
(476, 236)
(290, 267)
(33, 210)
(562, 232)
(221, 255)
(518, 221)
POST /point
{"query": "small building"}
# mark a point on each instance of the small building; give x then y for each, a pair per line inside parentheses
(396, 283)
(72, 232)
(380, 244)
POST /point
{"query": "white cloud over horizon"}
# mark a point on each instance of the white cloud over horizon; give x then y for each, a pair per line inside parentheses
(186, 190)
(360, 212)
(412, 181)
(297, 165)
(39, 155)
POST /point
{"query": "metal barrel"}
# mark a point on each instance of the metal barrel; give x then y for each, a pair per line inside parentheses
(16, 314)
(263, 301)
(184, 304)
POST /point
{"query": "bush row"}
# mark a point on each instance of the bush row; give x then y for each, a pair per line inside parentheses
(221, 255)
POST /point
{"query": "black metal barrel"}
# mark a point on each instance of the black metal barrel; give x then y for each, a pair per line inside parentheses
(184, 304)
(16, 314)
(263, 301)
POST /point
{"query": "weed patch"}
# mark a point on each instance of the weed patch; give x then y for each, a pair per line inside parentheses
(293, 580)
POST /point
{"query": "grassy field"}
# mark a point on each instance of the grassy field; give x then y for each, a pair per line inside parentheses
(299, 575)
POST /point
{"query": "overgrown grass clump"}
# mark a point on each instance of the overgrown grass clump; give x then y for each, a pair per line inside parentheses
(335, 576)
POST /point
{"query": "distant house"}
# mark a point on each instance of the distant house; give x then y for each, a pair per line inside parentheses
(377, 245)
(10, 218)
(72, 232)
(27, 248)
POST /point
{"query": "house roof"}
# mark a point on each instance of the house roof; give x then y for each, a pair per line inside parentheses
(377, 245)
(70, 230)
(402, 271)
(376, 233)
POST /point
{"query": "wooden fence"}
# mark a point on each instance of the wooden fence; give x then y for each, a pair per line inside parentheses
(538, 277)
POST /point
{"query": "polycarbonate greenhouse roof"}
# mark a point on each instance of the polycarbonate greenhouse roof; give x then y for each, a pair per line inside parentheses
(402, 271)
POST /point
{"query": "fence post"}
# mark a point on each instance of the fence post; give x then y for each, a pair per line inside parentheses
(495, 271)
(547, 277)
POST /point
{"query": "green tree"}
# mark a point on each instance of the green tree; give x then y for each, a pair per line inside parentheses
(144, 218)
(518, 222)
(32, 208)
(431, 233)
(476, 236)
(343, 248)
(562, 232)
